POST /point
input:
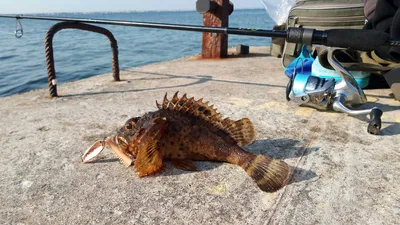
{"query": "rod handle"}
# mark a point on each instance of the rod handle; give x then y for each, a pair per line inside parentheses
(363, 40)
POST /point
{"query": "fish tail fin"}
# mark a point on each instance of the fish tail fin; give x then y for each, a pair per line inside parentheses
(269, 174)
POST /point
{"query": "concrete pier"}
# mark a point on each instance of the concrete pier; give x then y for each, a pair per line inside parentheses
(344, 175)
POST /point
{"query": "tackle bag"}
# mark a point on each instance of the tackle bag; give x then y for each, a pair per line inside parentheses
(318, 14)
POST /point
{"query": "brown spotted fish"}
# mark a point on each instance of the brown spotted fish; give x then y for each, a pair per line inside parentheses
(184, 130)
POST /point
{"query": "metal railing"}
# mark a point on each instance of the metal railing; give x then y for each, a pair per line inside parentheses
(81, 26)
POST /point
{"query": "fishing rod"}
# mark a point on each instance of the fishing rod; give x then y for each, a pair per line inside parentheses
(364, 40)
(305, 89)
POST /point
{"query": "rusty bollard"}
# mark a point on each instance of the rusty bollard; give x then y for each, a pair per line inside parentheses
(215, 14)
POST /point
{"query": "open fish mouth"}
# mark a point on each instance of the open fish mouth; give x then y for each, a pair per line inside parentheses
(118, 146)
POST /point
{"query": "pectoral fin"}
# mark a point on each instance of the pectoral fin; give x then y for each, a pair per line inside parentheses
(184, 164)
(148, 160)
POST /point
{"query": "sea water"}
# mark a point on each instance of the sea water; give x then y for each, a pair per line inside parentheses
(81, 54)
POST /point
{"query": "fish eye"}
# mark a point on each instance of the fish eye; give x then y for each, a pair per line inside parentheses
(128, 126)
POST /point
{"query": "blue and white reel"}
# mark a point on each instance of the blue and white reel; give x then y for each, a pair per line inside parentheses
(324, 94)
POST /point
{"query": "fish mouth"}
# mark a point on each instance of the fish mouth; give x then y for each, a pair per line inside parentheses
(118, 146)
(120, 141)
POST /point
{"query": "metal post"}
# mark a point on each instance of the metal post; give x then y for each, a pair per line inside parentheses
(215, 45)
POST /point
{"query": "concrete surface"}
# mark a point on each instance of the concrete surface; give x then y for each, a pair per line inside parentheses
(344, 175)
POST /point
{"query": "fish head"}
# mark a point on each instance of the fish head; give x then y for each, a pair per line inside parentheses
(126, 135)
(129, 125)
(118, 143)
(135, 133)
(139, 130)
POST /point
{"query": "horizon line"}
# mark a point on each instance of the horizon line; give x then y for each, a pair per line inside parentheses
(122, 11)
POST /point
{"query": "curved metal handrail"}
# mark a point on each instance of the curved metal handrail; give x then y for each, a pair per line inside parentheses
(81, 26)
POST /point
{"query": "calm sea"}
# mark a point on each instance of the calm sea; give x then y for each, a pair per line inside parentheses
(80, 54)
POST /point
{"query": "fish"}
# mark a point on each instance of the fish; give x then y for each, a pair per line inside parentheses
(183, 130)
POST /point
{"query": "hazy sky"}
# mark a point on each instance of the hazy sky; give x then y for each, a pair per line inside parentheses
(35, 6)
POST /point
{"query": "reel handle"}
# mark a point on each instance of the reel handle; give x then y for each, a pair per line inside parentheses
(376, 123)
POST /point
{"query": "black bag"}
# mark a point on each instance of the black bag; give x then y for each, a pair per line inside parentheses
(386, 17)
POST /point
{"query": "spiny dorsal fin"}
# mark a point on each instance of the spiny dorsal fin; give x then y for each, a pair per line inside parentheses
(165, 102)
(181, 102)
(194, 107)
(175, 99)
(159, 106)
(242, 131)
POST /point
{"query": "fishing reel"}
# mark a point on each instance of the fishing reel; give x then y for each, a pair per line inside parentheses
(326, 93)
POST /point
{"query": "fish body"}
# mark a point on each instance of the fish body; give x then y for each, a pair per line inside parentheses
(184, 130)
(185, 137)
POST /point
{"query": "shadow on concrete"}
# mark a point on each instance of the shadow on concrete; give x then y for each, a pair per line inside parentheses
(368, 105)
(250, 55)
(389, 96)
(199, 79)
(234, 55)
(105, 160)
(383, 107)
(285, 148)
(276, 148)
(299, 175)
(170, 170)
(280, 148)
(391, 130)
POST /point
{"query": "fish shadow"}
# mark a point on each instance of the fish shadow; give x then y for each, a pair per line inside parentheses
(103, 160)
(284, 148)
(281, 148)
(276, 148)
(170, 170)
(299, 175)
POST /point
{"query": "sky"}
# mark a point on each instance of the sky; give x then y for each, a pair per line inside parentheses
(49, 6)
